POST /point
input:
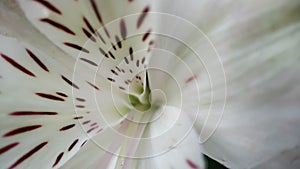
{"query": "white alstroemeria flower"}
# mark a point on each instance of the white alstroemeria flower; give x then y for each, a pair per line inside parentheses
(137, 84)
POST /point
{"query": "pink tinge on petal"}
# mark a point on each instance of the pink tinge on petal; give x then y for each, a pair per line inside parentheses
(192, 164)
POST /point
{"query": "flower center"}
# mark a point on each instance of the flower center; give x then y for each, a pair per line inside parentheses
(142, 102)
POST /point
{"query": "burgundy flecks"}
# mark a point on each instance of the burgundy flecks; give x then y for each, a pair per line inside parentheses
(22, 130)
(191, 164)
(58, 25)
(67, 127)
(69, 82)
(50, 96)
(17, 65)
(32, 113)
(142, 16)
(58, 158)
(28, 154)
(77, 47)
(49, 6)
(73, 145)
(8, 147)
(37, 60)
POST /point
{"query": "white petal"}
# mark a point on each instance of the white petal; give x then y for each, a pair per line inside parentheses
(260, 119)
(174, 143)
(101, 37)
(257, 43)
(46, 114)
(286, 159)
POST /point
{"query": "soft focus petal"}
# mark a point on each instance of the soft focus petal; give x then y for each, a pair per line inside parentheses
(261, 60)
(257, 43)
(261, 116)
(286, 159)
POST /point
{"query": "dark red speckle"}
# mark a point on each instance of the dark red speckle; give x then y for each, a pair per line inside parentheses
(57, 25)
(67, 127)
(8, 147)
(22, 130)
(31, 113)
(28, 154)
(49, 96)
(73, 144)
(123, 29)
(58, 158)
(37, 60)
(17, 65)
(142, 16)
(48, 5)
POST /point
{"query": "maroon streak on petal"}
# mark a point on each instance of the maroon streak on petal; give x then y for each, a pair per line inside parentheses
(89, 61)
(138, 63)
(83, 143)
(119, 43)
(58, 158)
(126, 60)
(86, 122)
(123, 29)
(95, 8)
(110, 79)
(103, 52)
(72, 45)
(57, 25)
(80, 106)
(93, 124)
(131, 53)
(69, 82)
(111, 55)
(79, 117)
(118, 68)
(113, 46)
(31, 113)
(87, 23)
(101, 38)
(80, 99)
(62, 94)
(28, 154)
(73, 144)
(142, 16)
(94, 86)
(17, 65)
(92, 129)
(106, 32)
(67, 127)
(114, 72)
(8, 147)
(190, 79)
(48, 5)
(49, 96)
(146, 35)
(151, 43)
(191, 164)
(37, 60)
(143, 60)
(21, 130)
(88, 35)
